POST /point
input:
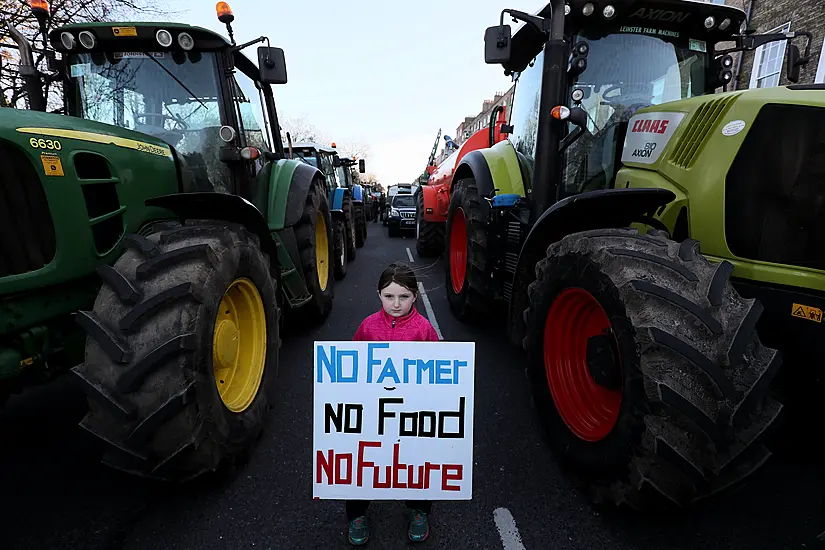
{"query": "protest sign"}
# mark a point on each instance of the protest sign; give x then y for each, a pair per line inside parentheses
(393, 420)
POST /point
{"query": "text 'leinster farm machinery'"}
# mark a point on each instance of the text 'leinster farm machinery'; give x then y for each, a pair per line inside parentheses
(162, 218)
(652, 362)
(433, 197)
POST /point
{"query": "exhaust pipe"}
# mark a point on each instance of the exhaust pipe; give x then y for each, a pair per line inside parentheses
(31, 77)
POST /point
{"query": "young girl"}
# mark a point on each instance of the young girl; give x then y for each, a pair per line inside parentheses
(397, 320)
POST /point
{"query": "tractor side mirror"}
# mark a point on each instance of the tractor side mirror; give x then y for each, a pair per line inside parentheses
(498, 44)
(272, 65)
(362, 166)
(793, 63)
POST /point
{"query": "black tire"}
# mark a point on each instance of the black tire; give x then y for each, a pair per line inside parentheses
(318, 308)
(475, 295)
(349, 218)
(694, 383)
(148, 369)
(339, 250)
(360, 224)
(429, 236)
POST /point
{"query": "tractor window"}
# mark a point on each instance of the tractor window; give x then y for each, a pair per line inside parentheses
(250, 110)
(172, 98)
(343, 177)
(524, 115)
(626, 72)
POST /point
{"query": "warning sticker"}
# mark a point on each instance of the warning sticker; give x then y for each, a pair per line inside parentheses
(807, 312)
(51, 165)
(124, 31)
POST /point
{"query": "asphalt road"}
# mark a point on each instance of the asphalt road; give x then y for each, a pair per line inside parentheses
(54, 495)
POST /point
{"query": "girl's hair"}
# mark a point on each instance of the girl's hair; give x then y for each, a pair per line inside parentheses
(400, 273)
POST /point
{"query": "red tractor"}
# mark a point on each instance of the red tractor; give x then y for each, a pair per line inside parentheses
(433, 198)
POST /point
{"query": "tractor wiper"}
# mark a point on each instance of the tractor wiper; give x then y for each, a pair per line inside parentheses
(182, 85)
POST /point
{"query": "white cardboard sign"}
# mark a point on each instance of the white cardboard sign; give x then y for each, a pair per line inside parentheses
(393, 420)
(647, 136)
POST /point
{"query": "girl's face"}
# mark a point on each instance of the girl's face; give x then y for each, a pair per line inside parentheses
(396, 299)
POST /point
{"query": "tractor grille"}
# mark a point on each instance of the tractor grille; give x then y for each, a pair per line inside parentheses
(775, 189)
(27, 239)
(703, 121)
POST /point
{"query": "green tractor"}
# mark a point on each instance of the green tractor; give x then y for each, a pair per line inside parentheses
(157, 218)
(653, 363)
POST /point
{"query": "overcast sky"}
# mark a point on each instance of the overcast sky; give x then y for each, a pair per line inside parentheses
(385, 73)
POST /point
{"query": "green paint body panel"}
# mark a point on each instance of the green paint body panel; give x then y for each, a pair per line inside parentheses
(280, 181)
(700, 184)
(504, 168)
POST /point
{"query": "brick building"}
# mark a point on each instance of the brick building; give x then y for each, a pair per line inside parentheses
(767, 65)
(473, 124)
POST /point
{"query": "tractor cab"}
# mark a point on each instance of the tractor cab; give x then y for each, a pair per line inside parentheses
(621, 56)
(184, 85)
(319, 156)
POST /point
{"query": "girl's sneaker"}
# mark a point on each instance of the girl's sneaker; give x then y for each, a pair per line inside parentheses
(419, 526)
(358, 531)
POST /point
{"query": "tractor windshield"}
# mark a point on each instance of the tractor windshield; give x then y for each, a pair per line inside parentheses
(343, 176)
(626, 72)
(174, 99)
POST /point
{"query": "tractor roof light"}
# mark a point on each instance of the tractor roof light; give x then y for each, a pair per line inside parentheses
(186, 41)
(87, 39)
(567, 9)
(588, 9)
(164, 38)
(609, 11)
(333, 145)
(68, 41)
(710, 21)
(40, 8)
(224, 12)
(227, 133)
(724, 24)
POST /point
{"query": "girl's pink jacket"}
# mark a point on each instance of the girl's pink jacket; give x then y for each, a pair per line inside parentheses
(381, 326)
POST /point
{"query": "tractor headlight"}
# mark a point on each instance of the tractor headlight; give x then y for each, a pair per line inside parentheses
(68, 40)
(164, 38)
(186, 41)
(710, 21)
(87, 40)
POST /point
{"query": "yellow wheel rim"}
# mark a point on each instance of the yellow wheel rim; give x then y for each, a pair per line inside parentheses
(239, 345)
(321, 251)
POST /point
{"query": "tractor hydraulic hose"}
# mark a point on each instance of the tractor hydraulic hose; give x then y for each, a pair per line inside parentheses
(553, 86)
(31, 78)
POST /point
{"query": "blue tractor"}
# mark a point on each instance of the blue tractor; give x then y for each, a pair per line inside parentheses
(339, 196)
(359, 195)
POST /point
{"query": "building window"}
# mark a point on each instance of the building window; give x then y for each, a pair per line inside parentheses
(768, 61)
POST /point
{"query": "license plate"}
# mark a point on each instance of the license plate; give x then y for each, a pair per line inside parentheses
(408, 222)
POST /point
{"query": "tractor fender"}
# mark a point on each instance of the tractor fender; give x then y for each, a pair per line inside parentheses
(281, 196)
(497, 170)
(357, 193)
(338, 199)
(222, 207)
(302, 178)
(603, 209)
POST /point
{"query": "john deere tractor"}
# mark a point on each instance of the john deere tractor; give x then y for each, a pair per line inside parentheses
(339, 197)
(163, 220)
(652, 360)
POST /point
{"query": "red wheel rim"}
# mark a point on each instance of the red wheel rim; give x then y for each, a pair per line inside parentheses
(589, 410)
(458, 250)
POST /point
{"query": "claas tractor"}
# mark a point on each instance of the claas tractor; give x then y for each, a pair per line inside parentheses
(339, 198)
(433, 197)
(345, 165)
(652, 358)
(153, 237)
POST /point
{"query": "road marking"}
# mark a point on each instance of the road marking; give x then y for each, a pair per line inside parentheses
(430, 312)
(409, 255)
(507, 529)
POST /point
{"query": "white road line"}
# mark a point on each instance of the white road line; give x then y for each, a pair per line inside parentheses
(507, 529)
(430, 312)
(409, 255)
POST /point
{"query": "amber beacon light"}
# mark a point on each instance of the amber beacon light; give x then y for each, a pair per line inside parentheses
(224, 12)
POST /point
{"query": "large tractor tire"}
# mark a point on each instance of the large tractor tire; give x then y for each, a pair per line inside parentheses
(468, 283)
(314, 234)
(340, 248)
(360, 224)
(429, 236)
(349, 217)
(183, 344)
(646, 368)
